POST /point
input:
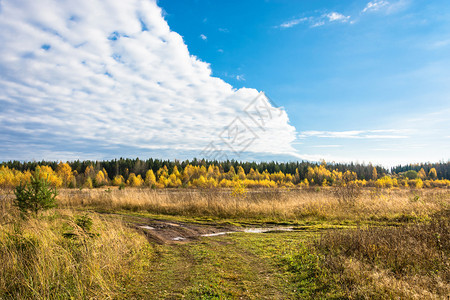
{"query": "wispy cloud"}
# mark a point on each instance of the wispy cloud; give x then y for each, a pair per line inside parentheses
(203, 37)
(439, 44)
(327, 146)
(316, 21)
(317, 24)
(375, 5)
(107, 78)
(387, 7)
(354, 134)
(292, 23)
(336, 17)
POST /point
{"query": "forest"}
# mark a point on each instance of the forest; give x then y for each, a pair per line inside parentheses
(155, 173)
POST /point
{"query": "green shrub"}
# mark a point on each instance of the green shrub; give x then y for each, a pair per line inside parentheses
(35, 196)
(411, 174)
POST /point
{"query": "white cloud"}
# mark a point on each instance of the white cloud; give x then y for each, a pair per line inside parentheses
(385, 6)
(240, 77)
(316, 21)
(203, 37)
(375, 5)
(292, 23)
(326, 146)
(334, 16)
(355, 134)
(93, 76)
(317, 24)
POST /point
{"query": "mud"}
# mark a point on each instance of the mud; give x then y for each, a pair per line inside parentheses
(162, 232)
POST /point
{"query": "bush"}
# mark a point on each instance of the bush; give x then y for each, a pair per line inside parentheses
(411, 174)
(35, 196)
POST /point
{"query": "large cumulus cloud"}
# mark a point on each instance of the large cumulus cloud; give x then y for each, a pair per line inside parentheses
(80, 77)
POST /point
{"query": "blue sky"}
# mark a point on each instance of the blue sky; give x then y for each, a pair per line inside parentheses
(354, 80)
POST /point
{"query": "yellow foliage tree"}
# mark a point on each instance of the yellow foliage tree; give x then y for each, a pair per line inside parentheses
(374, 173)
(199, 182)
(432, 174)
(384, 182)
(241, 173)
(150, 178)
(304, 183)
(135, 181)
(422, 174)
(64, 171)
(88, 183)
(10, 178)
(177, 173)
(100, 179)
(46, 172)
(173, 181)
(118, 180)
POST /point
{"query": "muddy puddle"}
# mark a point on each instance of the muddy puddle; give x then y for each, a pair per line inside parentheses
(161, 231)
(252, 230)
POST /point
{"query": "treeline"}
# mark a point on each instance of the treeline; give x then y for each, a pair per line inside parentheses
(442, 169)
(126, 166)
(209, 174)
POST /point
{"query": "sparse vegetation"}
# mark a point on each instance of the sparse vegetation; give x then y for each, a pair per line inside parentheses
(407, 262)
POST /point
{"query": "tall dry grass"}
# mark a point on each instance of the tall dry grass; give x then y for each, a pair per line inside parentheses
(408, 262)
(54, 258)
(275, 204)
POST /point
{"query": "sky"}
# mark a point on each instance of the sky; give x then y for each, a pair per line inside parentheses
(362, 81)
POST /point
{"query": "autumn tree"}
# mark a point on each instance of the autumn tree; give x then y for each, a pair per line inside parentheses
(199, 182)
(118, 180)
(432, 174)
(88, 183)
(150, 178)
(10, 177)
(296, 176)
(135, 181)
(64, 171)
(422, 174)
(241, 173)
(47, 173)
(162, 172)
(231, 173)
(89, 172)
(101, 178)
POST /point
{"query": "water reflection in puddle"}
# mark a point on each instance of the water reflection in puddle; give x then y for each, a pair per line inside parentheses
(272, 229)
(218, 233)
(147, 227)
(246, 230)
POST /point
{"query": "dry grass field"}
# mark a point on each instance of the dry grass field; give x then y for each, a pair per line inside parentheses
(373, 244)
(270, 204)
